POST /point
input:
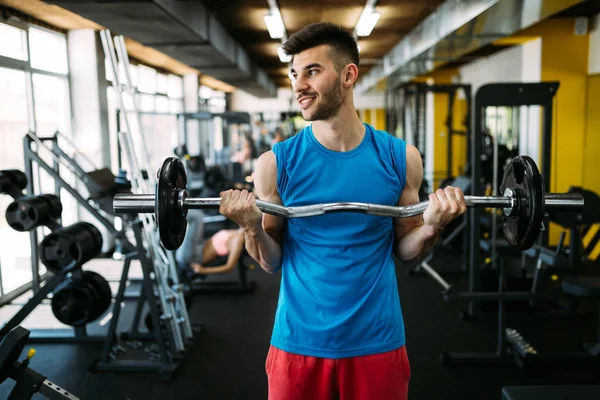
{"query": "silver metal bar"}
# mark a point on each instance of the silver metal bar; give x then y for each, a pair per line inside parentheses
(56, 157)
(55, 392)
(433, 273)
(76, 150)
(567, 201)
(144, 203)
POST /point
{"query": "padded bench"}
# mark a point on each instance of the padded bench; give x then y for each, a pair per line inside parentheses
(568, 392)
(587, 287)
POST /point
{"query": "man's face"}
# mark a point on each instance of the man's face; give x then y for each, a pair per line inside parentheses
(316, 84)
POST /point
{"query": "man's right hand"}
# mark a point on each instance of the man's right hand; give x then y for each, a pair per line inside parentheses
(240, 207)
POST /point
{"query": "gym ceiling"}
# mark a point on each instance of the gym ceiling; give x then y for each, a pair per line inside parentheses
(227, 41)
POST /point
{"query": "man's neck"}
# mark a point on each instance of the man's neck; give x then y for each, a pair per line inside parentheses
(342, 133)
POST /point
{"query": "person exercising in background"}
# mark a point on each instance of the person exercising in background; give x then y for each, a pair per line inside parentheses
(339, 330)
(196, 252)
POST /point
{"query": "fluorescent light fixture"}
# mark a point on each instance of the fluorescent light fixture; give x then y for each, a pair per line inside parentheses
(284, 58)
(275, 26)
(367, 22)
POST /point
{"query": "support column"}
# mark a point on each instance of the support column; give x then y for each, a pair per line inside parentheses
(88, 96)
(190, 104)
(89, 109)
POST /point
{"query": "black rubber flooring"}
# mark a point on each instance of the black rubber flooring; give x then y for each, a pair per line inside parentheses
(227, 361)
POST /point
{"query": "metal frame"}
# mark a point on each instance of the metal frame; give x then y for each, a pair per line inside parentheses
(504, 95)
(400, 96)
(499, 95)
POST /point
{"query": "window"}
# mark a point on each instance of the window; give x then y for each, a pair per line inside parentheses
(162, 104)
(48, 51)
(175, 106)
(175, 87)
(159, 96)
(13, 43)
(146, 102)
(162, 84)
(146, 79)
(52, 109)
(34, 97)
(14, 124)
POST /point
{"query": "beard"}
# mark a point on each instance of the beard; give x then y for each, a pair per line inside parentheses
(329, 106)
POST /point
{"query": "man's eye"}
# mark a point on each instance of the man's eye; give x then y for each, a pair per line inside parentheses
(312, 71)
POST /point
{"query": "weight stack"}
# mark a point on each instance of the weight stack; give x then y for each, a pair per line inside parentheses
(29, 212)
(69, 248)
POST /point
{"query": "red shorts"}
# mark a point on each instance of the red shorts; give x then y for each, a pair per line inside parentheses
(377, 377)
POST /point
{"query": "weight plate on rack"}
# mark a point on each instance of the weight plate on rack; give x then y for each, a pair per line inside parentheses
(103, 291)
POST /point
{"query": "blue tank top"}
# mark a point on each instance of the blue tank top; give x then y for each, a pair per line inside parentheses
(339, 296)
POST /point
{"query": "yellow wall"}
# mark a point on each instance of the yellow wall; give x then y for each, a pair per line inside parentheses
(373, 116)
(440, 131)
(591, 153)
(565, 59)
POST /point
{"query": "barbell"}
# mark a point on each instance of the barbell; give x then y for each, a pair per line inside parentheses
(523, 203)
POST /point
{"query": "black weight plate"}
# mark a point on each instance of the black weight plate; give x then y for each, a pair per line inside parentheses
(521, 175)
(22, 216)
(12, 179)
(59, 252)
(5, 182)
(55, 205)
(171, 220)
(73, 302)
(103, 291)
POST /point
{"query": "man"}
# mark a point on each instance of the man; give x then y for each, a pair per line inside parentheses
(338, 329)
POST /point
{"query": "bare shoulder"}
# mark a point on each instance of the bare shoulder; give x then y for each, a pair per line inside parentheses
(265, 177)
(414, 167)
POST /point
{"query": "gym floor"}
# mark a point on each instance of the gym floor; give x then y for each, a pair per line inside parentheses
(227, 361)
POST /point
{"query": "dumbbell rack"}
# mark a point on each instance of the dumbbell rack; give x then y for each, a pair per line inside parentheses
(52, 281)
(165, 343)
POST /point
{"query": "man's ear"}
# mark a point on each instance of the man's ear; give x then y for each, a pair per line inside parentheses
(350, 75)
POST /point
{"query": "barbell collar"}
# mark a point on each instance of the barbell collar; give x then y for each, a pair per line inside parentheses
(133, 203)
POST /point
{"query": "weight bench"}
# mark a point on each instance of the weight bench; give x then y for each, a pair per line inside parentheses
(204, 283)
(567, 392)
(587, 287)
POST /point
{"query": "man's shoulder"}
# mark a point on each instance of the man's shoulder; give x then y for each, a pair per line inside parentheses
(383, 138)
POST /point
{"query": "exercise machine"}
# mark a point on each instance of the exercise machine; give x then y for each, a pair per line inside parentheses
(27, 381)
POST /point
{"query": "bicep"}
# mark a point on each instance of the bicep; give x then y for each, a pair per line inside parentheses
(265, 188)
(410, 193)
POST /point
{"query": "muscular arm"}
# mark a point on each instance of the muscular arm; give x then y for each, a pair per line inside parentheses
(412, 238)
(264, 242)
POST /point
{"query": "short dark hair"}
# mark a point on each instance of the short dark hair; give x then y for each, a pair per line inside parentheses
(340, 40)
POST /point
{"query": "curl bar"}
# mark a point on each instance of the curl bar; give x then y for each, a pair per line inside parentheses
(523, 204)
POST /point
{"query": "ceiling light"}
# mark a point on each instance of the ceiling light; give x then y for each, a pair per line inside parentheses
(283, 57)
(275, 26)
(366, 22)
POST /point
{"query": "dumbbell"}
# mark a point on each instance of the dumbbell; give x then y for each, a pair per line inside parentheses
(29, 212)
